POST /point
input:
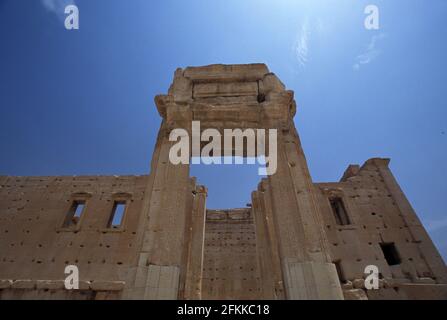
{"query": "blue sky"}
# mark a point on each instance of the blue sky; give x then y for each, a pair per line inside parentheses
(81, 102)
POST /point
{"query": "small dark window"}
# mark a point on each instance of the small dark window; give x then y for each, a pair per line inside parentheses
(338, 208)
(340, 274)
(390, 253)
(74, 214)
(116, 218)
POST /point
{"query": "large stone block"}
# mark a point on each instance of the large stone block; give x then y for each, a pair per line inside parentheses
(311, 280)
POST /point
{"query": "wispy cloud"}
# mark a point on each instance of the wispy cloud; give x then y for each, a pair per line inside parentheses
(302, 44)
(57, 7)
(371, 52)
(310, 31)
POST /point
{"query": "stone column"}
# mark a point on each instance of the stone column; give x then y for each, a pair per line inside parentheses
(196, 232)
(267, 246)
(164, 216)
(307, 269)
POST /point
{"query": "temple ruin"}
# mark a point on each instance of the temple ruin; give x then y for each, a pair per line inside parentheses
(297, 240)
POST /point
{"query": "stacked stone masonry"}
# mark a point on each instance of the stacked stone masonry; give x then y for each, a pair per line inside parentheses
(297, 240)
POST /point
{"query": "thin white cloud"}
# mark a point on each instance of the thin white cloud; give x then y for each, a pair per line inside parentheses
(371, 53)
(57, 7)
(310, 28)
(302, 44)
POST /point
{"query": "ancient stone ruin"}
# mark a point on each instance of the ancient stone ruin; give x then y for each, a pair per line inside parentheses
(297, 240)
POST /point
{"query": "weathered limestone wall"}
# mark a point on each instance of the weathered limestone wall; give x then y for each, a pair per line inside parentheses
(379, 213)
(230, 268)
(113, 263)
(35, 247)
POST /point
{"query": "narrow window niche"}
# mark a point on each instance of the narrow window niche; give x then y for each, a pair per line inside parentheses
(390, 253)
(74, 214)
(117, 214)
(339, 211)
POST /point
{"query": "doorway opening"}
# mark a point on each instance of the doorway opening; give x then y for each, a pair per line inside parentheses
(229, 185)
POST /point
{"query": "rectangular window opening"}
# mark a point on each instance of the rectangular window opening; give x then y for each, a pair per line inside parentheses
(116, 218)
(75, 213)
(390, 253)
(339, 210)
